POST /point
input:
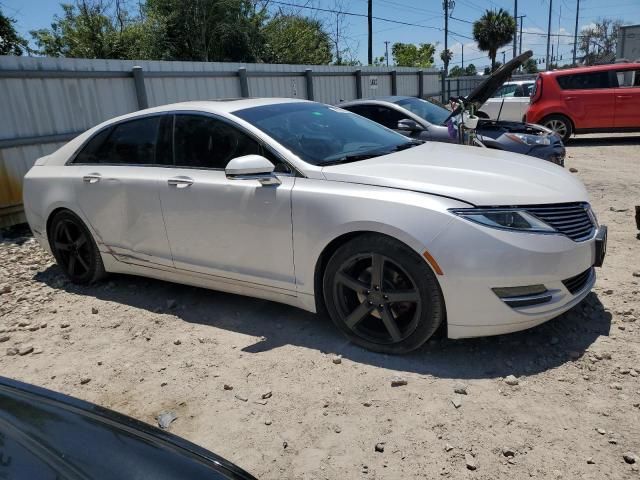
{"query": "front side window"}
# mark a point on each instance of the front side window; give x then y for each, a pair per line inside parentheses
(584, 81)
(129, 143)
(320, 134)
(202, 141)
(431, 112)
(506, 91)
(383, 115)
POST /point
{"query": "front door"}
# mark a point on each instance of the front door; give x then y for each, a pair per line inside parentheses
(116, 180)
(232, 229)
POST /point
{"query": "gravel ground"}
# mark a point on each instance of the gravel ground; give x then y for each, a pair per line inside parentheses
(557, 401)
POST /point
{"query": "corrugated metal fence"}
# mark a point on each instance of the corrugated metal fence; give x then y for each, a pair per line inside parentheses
(44, 102)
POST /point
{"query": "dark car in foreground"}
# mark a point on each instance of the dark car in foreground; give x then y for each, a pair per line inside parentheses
(424, 120)
(48, 435)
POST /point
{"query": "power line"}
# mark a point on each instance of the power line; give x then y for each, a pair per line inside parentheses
(352, 14)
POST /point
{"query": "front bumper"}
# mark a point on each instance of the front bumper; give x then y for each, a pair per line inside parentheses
(497, 259)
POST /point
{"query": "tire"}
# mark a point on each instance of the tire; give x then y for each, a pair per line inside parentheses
(74, 249)
(369, 316)
(559, 124)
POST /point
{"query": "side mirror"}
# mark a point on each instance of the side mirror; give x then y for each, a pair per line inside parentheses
(408, 125)
(252, 167)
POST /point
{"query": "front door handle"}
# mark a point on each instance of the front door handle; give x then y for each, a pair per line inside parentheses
(180, 182)
(92, 178)
(622, 97)
(569, 98)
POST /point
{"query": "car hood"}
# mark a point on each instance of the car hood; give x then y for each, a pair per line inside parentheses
(485, 90)
(479, 176)
(493, 82)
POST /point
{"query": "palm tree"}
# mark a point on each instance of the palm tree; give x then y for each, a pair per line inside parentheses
(495, 29)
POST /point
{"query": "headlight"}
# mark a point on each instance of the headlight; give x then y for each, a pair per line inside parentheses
(504, 219)
(529, 139)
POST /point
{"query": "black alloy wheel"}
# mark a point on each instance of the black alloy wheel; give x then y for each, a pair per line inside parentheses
(384, 297)
(74, 249)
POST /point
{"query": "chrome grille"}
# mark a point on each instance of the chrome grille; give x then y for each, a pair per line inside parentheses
(577, 283)
(571, 219)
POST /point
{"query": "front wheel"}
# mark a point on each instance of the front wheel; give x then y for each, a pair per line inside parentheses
(560, 125)
(382, 295)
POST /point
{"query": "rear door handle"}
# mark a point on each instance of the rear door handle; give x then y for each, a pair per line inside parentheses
(92, 178)
(569, 98)
(180, 182)
(623, 96)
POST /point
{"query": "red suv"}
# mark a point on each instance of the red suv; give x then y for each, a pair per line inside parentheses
(604, 98)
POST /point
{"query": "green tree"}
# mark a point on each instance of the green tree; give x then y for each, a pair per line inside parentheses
(471, 70)
(493, 30)
(457, 71)
(210, 30)
(446, 56)
(10, 42)
(90, 29)
(296, 39)
(530, 66)
(488, 70)
(411, 55)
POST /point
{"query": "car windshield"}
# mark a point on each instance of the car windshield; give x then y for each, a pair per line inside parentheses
(431, 112)
(324, 135)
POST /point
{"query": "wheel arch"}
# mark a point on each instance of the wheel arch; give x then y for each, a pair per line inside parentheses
(340, 240)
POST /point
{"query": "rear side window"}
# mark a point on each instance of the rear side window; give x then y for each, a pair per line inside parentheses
(628, 78)
(584, 81)
(129, 143)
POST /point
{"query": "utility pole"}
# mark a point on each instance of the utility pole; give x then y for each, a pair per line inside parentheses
(446, 34)
(520, 47)
(575, 33)
(386, 51)
(370, 26)
(515, 17)
(548, 36)
(558, 37)
(462, 44)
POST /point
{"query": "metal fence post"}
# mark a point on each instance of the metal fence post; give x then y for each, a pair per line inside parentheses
(458, 87)
(442, 87)
(394, 82)
(448, 89)
(420, 83)
(141, 91)
(308, 74)
(244, 83)
(358, 74)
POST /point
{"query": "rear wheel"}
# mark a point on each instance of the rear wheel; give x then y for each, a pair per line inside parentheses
(382, 295)
(74, 249)
(559, 124)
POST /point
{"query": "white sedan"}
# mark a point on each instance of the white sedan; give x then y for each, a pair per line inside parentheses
(316, 207)
(509, 102)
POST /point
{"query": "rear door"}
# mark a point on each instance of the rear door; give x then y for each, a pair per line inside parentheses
(589, 99)
(627, 101)
(116, 178)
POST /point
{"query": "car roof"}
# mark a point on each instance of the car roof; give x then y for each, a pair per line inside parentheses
(593, 68)
(519, 82)
(381, 99)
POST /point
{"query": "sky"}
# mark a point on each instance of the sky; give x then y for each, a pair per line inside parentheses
(426, 17)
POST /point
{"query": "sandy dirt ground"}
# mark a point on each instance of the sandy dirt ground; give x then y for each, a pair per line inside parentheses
(143, 347)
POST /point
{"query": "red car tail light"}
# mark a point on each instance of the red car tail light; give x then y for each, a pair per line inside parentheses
(537, 90)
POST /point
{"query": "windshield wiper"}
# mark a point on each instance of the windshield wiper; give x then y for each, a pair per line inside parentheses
(354, 157)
